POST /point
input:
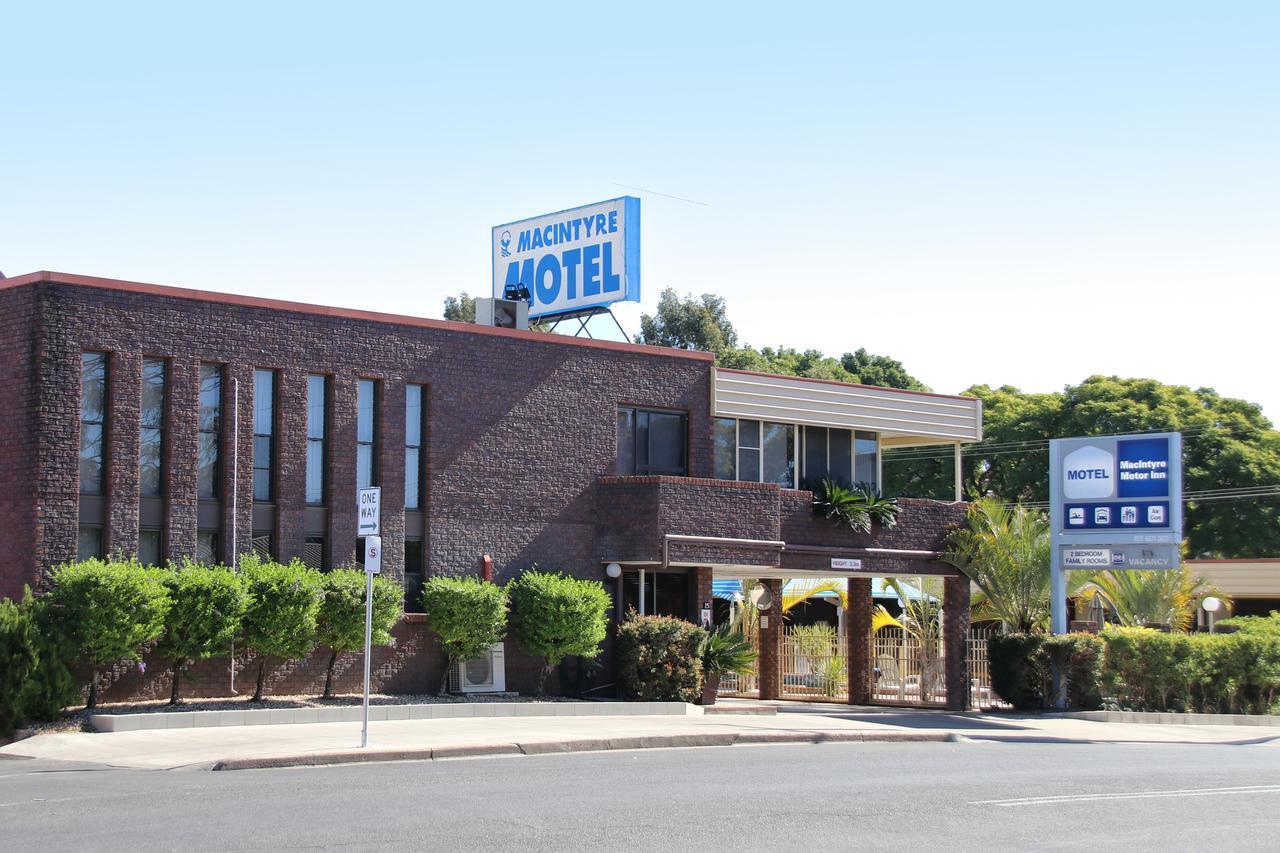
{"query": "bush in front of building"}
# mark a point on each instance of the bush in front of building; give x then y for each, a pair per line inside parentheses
(556, 616)
(108, 610)
(660, 659)
(1022, 668)
(1150, 670)
(340, 621)
(280, 622)
(206, 606)
(468, 615)
(18, 660)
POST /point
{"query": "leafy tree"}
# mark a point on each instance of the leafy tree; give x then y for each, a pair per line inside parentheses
(206, 605)
(871, 369)
(461, 308)
(112, 609)
(1227, 443)
(340, 620)
(688, 323)
(557, 616)
(468, 614)
(284, 601)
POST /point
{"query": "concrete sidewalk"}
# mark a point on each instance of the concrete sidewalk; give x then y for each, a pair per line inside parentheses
(239, 747)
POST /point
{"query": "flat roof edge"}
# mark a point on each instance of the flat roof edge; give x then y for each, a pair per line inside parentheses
(839, 384)
(169, 291)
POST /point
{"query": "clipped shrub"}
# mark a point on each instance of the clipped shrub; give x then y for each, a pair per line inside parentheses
(660, 659)
(556, 616)
(206, 606)
(18, 660)
(468, 615)
(340, 620)
(280, 621)
(109, 609)
(52, 686)
(1239, 672)
(1022, 667)
(1016, 673)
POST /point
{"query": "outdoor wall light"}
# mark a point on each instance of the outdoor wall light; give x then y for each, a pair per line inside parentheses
(613, 570)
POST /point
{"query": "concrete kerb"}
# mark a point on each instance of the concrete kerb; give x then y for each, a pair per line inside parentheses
(380, 713)
(1169, 718)
(681, 741)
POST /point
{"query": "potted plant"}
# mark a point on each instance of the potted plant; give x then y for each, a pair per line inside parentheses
(725, 650)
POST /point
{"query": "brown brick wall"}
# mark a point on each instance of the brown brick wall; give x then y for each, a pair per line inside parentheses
(520, 428)
(18, 425)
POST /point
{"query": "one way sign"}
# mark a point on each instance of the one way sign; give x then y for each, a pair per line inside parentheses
(369, 505)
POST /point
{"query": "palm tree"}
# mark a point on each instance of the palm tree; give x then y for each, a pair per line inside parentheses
(1158, 597)
(1005, 551)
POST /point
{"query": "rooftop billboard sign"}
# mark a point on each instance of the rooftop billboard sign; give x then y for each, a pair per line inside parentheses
(575, 260)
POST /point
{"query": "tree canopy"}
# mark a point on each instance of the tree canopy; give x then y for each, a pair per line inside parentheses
(461, 308)
(1227, 444)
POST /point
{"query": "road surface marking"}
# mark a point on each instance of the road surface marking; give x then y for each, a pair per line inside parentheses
(1130, 795)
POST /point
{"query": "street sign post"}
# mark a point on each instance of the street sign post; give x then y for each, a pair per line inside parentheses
(1115, 502)
(369, 526)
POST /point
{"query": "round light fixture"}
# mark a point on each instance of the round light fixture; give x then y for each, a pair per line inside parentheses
(761, 597)
(613, 570)
(1211, 604)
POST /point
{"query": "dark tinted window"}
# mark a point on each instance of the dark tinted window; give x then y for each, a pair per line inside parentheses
(151, 438)
(651, 442)
(93, 420)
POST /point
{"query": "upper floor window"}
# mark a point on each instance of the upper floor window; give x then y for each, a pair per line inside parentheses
(210, 424)
(93, 420)
(264, 408)
(413, 432)
(843, 456)
(652, 442)
(151, 437)
(366, 430)
(317, 388)
(755, 451)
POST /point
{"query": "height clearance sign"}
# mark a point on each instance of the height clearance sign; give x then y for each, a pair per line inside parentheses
(577, 259)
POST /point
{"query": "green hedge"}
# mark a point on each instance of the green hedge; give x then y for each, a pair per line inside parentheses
(1022, 669)
(660, 659)
(1148, 670)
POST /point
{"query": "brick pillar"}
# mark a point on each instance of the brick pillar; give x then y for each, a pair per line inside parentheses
(123, 435)
(770, 663)
(857, 626)
(291, 463)
(699, 593)
(341, 474)
(181, 452)
(390, 452)
(955, 628)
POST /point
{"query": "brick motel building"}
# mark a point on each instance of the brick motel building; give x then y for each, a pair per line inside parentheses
(171, 423)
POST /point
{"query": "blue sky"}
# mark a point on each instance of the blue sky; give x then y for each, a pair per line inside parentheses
(1000, 193)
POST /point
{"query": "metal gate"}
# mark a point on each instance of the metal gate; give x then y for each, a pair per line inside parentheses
(906, 670)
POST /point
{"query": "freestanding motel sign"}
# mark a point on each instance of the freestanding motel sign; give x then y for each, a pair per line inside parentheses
(1115, 502)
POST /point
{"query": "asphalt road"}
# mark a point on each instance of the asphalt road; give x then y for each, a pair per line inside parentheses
(875, 796)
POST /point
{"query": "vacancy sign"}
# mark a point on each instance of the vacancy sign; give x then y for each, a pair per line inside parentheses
(369, 506)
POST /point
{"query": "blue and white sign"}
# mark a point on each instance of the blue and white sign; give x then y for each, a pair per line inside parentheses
(581, 258)
(1115, 502)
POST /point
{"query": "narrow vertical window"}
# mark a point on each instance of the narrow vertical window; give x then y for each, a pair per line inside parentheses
(366, 429)
(313, 552)
(865, 460)
(151, 438)
(88, 542)
(93, 420)
(210, 422)
(264, 410)
(414, 568)
(149, 547)
(413, 431)
(749, 451)
(726, 448)
(317, 388)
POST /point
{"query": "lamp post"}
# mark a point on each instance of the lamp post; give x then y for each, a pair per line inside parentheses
(1211, 606)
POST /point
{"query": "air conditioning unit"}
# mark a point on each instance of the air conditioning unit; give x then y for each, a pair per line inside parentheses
(484, 674)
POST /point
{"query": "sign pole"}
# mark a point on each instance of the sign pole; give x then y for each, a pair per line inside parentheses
(368, 642)
(1057, 593)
